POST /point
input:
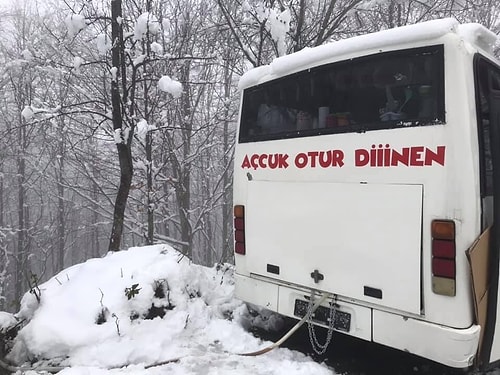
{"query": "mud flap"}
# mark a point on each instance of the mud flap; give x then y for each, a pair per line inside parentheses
(478, 255)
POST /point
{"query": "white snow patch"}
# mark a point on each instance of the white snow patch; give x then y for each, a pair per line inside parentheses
(170, 86)
(156, 48)
(245, 6)
(146, 22)
(345, 48)
(254, 75)
(139, 60)
(142, 129)
(6, 321)
(114, 73)
(262, 12)
(119, 136)
(279, 25)
(103, 44)
(27, 113)
(75, 23)
(200, 328)
(27, 55)
(77, 62)
(165, 24)
(479, 35)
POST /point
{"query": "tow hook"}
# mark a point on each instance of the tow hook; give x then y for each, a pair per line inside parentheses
(317, 276)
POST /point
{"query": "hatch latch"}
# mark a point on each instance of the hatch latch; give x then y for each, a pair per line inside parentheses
(317, 276)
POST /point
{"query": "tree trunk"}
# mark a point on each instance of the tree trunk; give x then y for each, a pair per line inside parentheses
(61, 224)
(184, 186)
(227, 204)
(150, 192)
(149, 152)
(95, 227)
(21, 210)
(126, 171)
(124, 143)
(2, 208)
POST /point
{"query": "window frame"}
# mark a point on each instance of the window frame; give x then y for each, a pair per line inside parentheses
(483, 65)
(437, 50)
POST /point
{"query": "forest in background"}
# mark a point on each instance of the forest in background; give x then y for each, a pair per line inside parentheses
(59, 166)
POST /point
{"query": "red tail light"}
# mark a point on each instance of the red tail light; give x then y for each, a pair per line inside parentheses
(443, 249)
(443, 257)
(239, 229)
(443, 267)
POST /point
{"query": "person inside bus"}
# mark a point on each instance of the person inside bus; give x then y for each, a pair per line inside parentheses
(402, 96)
(273, 119)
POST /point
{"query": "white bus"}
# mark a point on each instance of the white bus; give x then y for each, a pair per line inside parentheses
(368, 169)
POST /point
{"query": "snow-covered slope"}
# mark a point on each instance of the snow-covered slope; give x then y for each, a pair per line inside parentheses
(139, 308)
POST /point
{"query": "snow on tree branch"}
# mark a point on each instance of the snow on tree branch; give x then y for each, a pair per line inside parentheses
(121, 135)
(77, 62)
(114, 73)
(279, 25)
(75, 23)
(30, 111)
(143, 128)
(156, 48)
(103, 44)
(170, 86)
(146, 23)
(27, 113)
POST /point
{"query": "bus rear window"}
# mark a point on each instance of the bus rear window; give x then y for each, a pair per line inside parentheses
(384, 91)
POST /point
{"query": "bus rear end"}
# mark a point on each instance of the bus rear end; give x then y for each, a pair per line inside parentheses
(357, 176)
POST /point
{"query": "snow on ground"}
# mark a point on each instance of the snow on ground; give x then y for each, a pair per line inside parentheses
(6, 320)
(139, 308)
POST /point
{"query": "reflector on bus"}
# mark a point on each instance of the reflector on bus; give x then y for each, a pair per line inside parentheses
(239, 229)
(443, 267)
(443, 229)
(239, 211)
(443, 257)
(443, 249)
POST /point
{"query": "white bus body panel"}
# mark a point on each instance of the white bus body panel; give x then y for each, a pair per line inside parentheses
(331, 220)
(452, 347)
(337, 228)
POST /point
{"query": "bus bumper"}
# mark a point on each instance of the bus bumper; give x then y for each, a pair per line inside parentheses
(449, 346)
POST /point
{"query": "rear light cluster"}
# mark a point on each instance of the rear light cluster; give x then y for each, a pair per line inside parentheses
(443, 257)
(239, 229)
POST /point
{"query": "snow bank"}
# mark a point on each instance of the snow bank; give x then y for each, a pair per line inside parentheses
(142, 307)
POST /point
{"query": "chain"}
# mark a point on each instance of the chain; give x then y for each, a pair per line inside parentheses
(316, 345)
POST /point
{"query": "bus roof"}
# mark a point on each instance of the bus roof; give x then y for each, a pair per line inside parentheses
(476, 34)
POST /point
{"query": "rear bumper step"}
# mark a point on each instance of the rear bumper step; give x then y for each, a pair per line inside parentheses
(449, 346)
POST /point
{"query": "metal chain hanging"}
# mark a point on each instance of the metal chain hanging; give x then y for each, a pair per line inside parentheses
(316, 345)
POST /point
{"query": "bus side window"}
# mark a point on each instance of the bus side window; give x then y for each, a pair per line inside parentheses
(488, 119)
(273, 119)
(484, 129)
